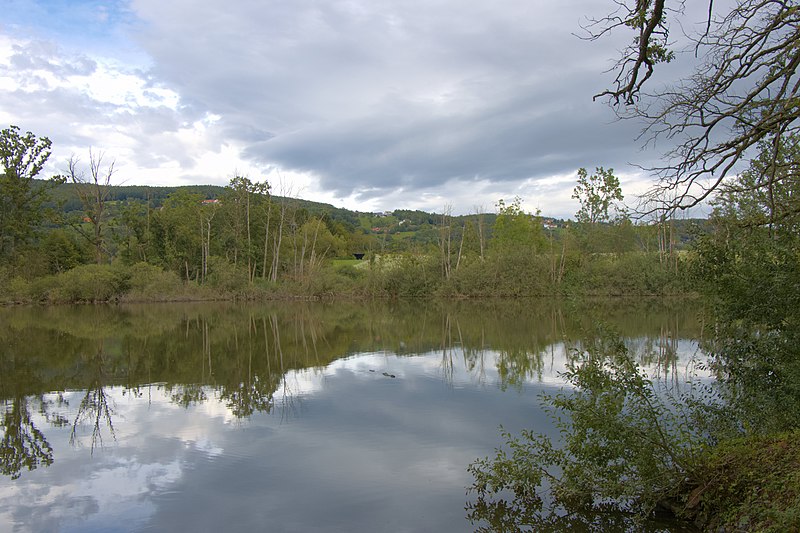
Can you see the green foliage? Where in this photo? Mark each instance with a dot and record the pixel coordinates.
(324, 282)
(598, 195)
(151, 283)
(84, 283)
(625, 274)
(627, 445)
(22, 158)
(90, 283)
(411, 276)
(176, 242)
(226, 277)
(750, 484)
(749, 269)
(766, 194)
(62, 251)
(516, 231)
(753, 283)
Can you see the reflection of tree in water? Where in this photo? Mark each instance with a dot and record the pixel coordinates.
(23, 445)
(49, 410)
(94, 407)
(245, 354)
(513, 516)
(518, 349)
(622, 441)
(522, 349)
(287, 398)
(260, 369)
(186, 395)
(448, 346)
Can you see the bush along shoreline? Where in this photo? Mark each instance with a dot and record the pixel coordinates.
(398, 276)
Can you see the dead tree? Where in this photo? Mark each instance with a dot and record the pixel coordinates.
(93, 192)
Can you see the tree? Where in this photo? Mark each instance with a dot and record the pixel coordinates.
(445, 240)
(597, 194)
(22, 158)
(176, 239)
(61, 251)
(743, 92)
(768, 192)
(242, 197)
(515, 230)
(93, 191)
(134, 235)
(22, 445)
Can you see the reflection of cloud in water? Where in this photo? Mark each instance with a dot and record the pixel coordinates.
(682, 365)
(361, 450)
(114, 484)
(114, 488)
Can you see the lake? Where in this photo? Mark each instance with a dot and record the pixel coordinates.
(346, 416)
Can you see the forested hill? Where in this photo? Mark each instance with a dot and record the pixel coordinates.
(65, 198)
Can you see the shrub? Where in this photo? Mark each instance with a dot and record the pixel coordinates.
(90, 283)
(17, 290)
(412, 276)
(152, 283)
(751, 484)
(226, 277)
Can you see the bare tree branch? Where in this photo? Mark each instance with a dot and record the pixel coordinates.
(745, 90)
(93, 191)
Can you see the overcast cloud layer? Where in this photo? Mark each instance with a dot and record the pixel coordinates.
(366, 104)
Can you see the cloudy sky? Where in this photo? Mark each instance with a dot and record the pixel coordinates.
(365, 104)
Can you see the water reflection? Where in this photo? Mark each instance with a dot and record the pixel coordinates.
(24, 445)
(94, 408)
(157, 386)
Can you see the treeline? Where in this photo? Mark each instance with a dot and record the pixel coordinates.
(161, 343)
(80, 238)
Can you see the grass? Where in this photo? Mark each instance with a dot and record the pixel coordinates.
(339, 264)
(752, 484)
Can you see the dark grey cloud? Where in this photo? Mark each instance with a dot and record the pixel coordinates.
(518, 139)
(377, 99)
(375, 96)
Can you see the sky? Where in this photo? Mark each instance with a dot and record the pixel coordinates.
(370, 105)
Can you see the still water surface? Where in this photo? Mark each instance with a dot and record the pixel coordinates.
(284, 417)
